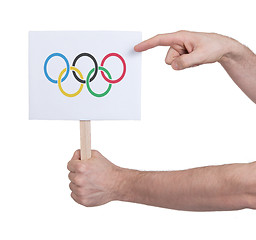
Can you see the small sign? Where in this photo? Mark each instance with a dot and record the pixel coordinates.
(84, 75)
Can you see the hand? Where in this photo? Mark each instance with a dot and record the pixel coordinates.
(93, 182)
(189, 49)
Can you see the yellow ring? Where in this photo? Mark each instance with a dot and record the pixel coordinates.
(59, 82)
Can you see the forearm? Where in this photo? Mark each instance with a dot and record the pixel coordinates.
(226, 187)
(240, 63)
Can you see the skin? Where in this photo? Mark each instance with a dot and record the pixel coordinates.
(212, 188)
(190, 49)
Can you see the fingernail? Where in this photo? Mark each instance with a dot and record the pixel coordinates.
(175, 66)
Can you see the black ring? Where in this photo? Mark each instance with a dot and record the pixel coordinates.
(95, 63)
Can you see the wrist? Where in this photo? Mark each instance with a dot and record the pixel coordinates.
(125, 185)
(234, 51)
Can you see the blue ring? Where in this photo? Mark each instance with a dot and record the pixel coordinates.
(45, 67)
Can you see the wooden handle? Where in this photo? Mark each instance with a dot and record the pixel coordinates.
(85, 139)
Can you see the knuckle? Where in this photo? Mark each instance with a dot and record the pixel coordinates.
(183, 34)
(168, 61)
(80, 168)
(79, 192)
(158, 37)
(68, 165)
(182, 31)
(69, 176)
(78, 180)
(96, 153)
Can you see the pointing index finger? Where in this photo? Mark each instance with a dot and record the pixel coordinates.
(158, 40)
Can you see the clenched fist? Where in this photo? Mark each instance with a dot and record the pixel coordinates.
(93, 182)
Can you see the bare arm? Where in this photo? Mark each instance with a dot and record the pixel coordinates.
(213, 188)
(240, 64)
(189, 49)
(226, 187)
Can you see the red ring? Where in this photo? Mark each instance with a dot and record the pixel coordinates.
(124, 65)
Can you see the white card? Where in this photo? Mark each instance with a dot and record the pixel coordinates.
(63, 83)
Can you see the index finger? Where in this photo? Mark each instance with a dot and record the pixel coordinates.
(166, 39)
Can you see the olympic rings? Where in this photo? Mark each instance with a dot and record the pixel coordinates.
(124, 66)
(89, 88)
(95, 63)
(89, 78)
(45, 67)
(59, 83)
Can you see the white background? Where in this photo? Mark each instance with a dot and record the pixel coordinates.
(191, 118)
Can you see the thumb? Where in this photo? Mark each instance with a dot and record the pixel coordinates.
(77, 155)
(186, 61)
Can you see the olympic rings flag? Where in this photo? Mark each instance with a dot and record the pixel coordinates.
(84, 75)
(80, 79)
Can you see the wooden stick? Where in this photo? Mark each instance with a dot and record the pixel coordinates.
(85, 139)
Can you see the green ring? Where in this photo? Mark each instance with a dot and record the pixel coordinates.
(88, 80)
